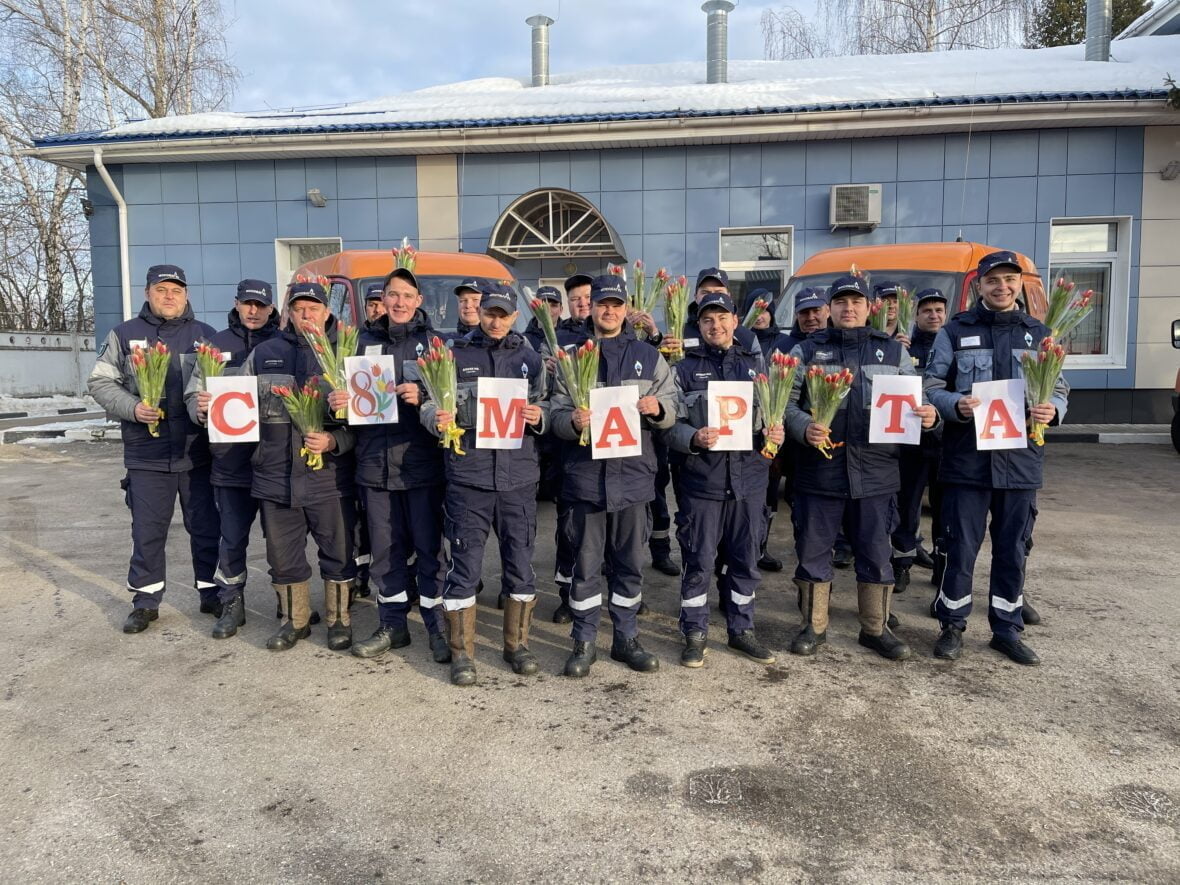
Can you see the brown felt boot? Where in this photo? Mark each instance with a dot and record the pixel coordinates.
(295, 600)
(461, 635)
(873, 604)
(813, 605)
(518, 617)
(336, 595)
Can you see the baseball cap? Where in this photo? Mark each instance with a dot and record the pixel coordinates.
(578, 279)
(165, 273)
(549, 293)
(471, 284)
(931, 295)
(314, 291)
(497, 295)
(715, 299)
(810, 297)
(886, 289)
(374, 292)
(255, 290)
(608, 286)
(712, 273)
(855, 285)
(403, 273)
(997, 259)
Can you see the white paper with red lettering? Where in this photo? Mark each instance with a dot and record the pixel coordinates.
(615, 429)
(233, 411)
(999, 418)
(731, 411)
(371, 384)
(891, 413)
(499, 412)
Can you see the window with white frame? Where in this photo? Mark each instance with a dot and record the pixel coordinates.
(756, 258)
(1095, 254)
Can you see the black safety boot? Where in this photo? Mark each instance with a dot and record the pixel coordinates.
(296, 599)
(842, 556)
(901, 578)
(695, 646)
(581, 659)
(233, 616)
(1030, 614)
(873, 610)
(628, 651)
(440, 650)
(1015, 650)
(383, 639)
(563, 614)
(139, 619)
(950, 644)
(664, 565)
(747, 644)
(923, 558)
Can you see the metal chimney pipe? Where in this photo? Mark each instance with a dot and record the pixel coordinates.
(1098, 16)
(717, 40)
(540, 25)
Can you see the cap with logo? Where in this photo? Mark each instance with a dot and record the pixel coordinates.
(549, 293)
(719, 300)
(930, 295)
(309, 291)
(406, 274)
(255, 290)
(471, 284)
(578, 279)
(848, 285)
(712, 273)
(374, 292)
(886, 289)
(497, 295)
(993, 260)
(810, 297)
(606, 287)
(165, 273)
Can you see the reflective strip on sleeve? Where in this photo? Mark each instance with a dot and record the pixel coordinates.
(581, 605)
(953, 604)
(625, 601)
(695, 601)
(1005, 606)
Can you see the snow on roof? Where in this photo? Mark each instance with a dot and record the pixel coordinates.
(1136, 70)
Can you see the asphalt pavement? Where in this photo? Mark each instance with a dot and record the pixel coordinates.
(169, 756)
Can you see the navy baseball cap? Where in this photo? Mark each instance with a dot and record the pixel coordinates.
(497, 295)
(166, 273)
(810, 297)
(855, 285)
(406, 274)
(886, 289)
(997, 259)
(578, 279)
(715, 299)
(608, 286)
(314, 291)
(374, 292)
(712, 273)
(549, 293)
(931, 295)
(472, 284)
(255, 290)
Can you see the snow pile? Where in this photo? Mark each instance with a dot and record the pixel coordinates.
(46, 405)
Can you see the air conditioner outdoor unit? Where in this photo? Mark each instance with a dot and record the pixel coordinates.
(854, 205)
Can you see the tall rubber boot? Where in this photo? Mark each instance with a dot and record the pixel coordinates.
(461, 635)
(518, 617)
(813, 605)
(873, 605)
(296, 602)
(336, 601)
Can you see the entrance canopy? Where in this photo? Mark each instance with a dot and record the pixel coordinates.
(553, 223)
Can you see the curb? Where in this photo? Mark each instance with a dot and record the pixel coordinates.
(1157, 439)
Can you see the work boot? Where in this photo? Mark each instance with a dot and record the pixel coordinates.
(813, 605)
(518, 617)
(893, 621)
(695, 646)
(766, 562)
(315, 615)
(233, 616)
(296, 600)
(361, 585)
(1030, 614)
(873, 606)
(627, 650)
(950, 644)
(139, 619)
(1015, 650)
(383, 639)
(664, 565)
(563, 614)
(581, 659)
(642, 609)
(842, 556)
(461, 635)
(440, 649)
(339, 621)
(211, 606)
(923, 558)
(745, 642)
(901, 578)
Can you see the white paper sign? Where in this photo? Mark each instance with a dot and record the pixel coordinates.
(233, 411)
(372, 389)
(615, 430)
(999, 418)
(731, 411)
(891, 413)
(499, 412)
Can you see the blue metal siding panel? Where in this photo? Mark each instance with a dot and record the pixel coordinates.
(1019, 237)
(178, 182)
(1050, 197)
(919, 203)
(1128, 150)
(217, 183)
(585, 171)
(255, 179)
(829, 162)
(919, 234)
(219, 223)
(358, 220)
(784, 205)
(104, 267)
(554, 170)
(700, 251)
(1013, 154)
(96, 188)
(356, 178)
(706, 209)
(145, 225)
(141, 183)
(257, 222)
(1090, 151)
(745, 206)
(663, 250)
(663, 212)
(875, 237)
(815, 207)
(324, 222)
(291, 217)
(519, 174)
(784, 164)
(874, 160)
(964, 201)
(1128, 193)
(1012, 200)
(919, 158)
(182, 223)
(290, 180)
(104, 226)
(1052, 152)
(258, 262)
(707, 167)
(1089, 194)
(623, 210)
(187, 257)
(321, 174)
(967, 154)
(664, 169)
(398, 176)
(745, 165)
(622, 170)
(477, 214)
(221, 264)
(397, 218)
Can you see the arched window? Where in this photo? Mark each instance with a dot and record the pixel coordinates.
(553, 223)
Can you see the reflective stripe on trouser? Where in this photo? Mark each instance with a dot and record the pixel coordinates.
(965, 511)
(918, 473)
(818, 520)
(330, 525)
(706, 530)
(469, 516)
(152, 495)
(237, 509)
(403, 524)
(616, 539)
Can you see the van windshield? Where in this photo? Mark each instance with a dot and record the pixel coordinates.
(438, 298)
(913, 280)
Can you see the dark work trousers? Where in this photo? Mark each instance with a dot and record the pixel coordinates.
(361, 547)
(404, 524)
(818, 520)
(563, 566)
(469, 516)
(965, 511)
(237, 509)
(616, 539)
(720, 569)
(330, 525)
(918, 473)
(660, 542)
(151, 495)
(729, 532)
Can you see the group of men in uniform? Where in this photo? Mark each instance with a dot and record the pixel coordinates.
(408, 494)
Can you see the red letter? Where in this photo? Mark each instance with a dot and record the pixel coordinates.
(615, 425)
(998, 417)
(493, 415)
(732, 408)
(217, 413)
(894, 401)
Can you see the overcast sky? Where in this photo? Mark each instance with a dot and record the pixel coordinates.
(302, 53)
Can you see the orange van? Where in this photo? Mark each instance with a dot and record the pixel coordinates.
(946, 266)
(438, 273)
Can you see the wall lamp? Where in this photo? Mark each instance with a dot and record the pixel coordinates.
(317, 199)
(87, 207)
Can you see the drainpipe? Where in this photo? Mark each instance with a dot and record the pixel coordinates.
(1098, 17)
(540, 25)
(717, 40)
(124, 249)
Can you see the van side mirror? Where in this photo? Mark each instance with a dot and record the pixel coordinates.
(1176, 333)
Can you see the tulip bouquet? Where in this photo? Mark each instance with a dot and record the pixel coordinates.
(645, 293)
(405, 256)
(437, 368)
(676, 315)
(756, 310)
(544, 319)
(151, 371)
(1040, 378)
(905, 311)
(879, 315)
(1067, 310)
(306, 407)
(331, 359)
(209, 360)
(773, 391)
(580, 373)
(824, 392)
